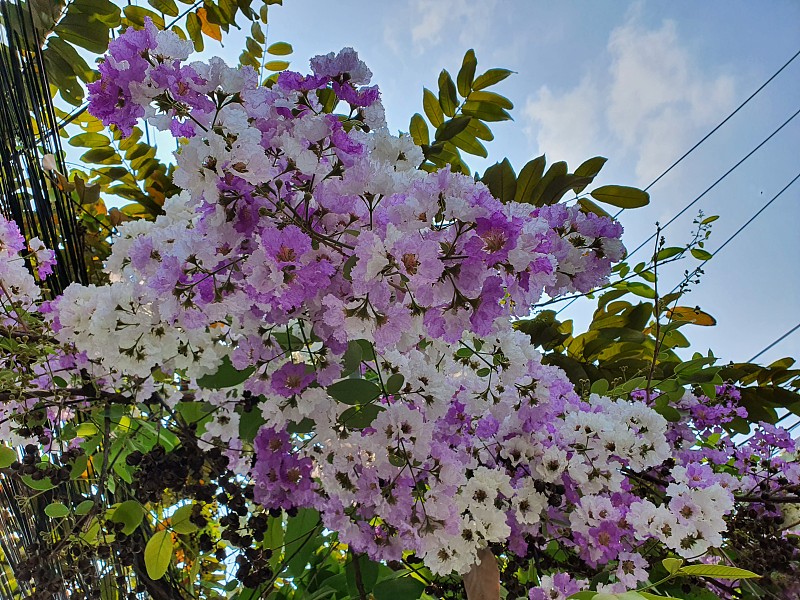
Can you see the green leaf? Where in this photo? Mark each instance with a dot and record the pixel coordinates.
(558, 186)
(56, 510)
(157, 554)
(89, 33)
(226, 376)
(328, 99)
(589, 168)
(90, 140)
(257, 33)
(491, 98)
(351, 358)
(557, 169)
(7, 456)
(354, 391)
(640, 289)
(649, 596)
(528, 179)
(621, 196)
(419, 130)
(480, 130)
(180, 522)
(400, 588)
(368, 570)
(137, 15)
(717, 572)
(105, 155)
(501, 181)
(395, 383)
(710, 219)
(599, 387)
(701, 254)
(104, 11)
(84, 507)
(451, 128)
(280, 49)
(359, 417)
(253, 48)
(588, 206)
(432, 108)
(448, 99)
(300, 531)
(130, 513)
(71, 57)
(249, 425)
(491, 77)
(466, 75)
(587, 595)
(672, 565)
(666, 253)
(86, 429)
(276, 65)
(195, 28)
(168, 7)
(469, 143)
(38, 484)
(485, 111)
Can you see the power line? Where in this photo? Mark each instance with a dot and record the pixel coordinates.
(773, 344)
(693, 148)
(743, 227)
(718, 181)
(697, 199)
(720, 124)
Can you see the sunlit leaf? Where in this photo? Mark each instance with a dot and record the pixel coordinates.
(158, 553)
(432, 109)
(168, 7)
(280, 49)
(701, 254)
(466, 74)
(276, 65)
(448, 99)
(621, 196)
(691, 315)
(419, 130)
(491, 77)
(212, 30)
(718, 572)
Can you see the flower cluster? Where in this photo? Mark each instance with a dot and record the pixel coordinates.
(364, 308)
(19, 291)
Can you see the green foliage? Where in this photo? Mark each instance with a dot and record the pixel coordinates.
(458, 114)
(354, 391)
(225, 376)
(636, 339)
(257, 51)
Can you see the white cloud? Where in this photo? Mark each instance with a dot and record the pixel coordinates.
(652, 103)
(431, 23)
(565, 126)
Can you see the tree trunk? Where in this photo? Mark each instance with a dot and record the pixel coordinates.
(482, 582)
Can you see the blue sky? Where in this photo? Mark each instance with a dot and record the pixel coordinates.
(637, 82)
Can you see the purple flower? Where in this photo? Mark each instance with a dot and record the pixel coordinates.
(291, 379)
(345, 63)
(282, 477)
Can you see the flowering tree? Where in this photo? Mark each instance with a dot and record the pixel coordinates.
(319, 356)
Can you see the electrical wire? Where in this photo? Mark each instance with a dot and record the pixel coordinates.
(697, 199)
(776, 342)
(743, 227)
